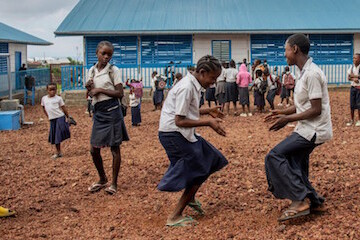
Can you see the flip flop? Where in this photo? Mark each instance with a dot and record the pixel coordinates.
(184, 222)
(4, 212)
(292, 213)
(95, 187)
(110, 190)
(197, 207)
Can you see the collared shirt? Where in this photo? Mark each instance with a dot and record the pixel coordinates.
(133, 100)
(53, 106)
(102, 80)
(312, 84)
(183, 100)
(230, 75)
(221, 77)
(272, 84)
(355, 70)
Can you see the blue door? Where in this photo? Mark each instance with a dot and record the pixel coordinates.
(17, 66)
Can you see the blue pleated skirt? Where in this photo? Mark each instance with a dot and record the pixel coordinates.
(59, 130)
(135, 115)
(191, 163)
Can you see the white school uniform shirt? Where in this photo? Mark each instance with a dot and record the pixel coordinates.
(133, 100)
(53, 106)
(102, 80)
(272, 85)
(230, 75)
(257, 82)
(153, 83)
(183, 100)
(221, 77)
(312, 84)
(283, 79)
(355, 70)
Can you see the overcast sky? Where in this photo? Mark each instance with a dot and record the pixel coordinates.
(41, 18)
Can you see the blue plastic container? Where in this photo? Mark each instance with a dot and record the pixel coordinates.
(10, 120)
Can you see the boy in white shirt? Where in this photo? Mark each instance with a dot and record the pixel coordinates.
(354, 76)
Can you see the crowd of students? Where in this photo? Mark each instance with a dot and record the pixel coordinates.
(192, 158)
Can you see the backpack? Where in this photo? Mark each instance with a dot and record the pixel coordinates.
(160, 83)
(289, 81)
(122, 101)
(278, 84)
(263, 86)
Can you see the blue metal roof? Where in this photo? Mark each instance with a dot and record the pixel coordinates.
(11, 35)
(109, 17)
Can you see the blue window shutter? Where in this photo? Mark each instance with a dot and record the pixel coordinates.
(324, 48)
(125, 50)
(161, 49)
(4, 48)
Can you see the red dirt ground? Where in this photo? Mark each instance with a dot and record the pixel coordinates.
(52, 201)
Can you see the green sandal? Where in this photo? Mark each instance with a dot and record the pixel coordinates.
(184, 222)
(197, 207)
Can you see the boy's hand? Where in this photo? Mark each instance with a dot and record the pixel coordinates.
(215, 125)
(94, 92)
(216, 113)
(89, 85)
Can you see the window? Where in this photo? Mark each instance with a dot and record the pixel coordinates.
(324, 48)
(160, 50)
(221, 49)
(4, 48)
(125, 50)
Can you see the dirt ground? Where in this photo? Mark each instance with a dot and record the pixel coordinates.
(52, 201)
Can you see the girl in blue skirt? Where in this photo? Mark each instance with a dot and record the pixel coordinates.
(54, 108)
(192, 158)
(105, 86)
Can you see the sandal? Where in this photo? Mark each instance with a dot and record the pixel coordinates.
(293, 213)
(4, 212)
(55, 156)
(111, 190)
(184, 222)
(95, 187)
(197, 207)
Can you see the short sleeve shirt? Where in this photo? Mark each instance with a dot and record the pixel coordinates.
(230, 75)
(312, 84)
(53, 106)
(221, 77)
(355, 70)
(103, 80)
(183, 100)
(271, 84)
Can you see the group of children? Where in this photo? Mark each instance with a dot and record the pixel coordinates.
(192, 158)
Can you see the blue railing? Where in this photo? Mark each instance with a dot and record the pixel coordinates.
(74, 77)
(41, 75)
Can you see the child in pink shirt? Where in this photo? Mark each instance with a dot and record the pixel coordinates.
(243, 80)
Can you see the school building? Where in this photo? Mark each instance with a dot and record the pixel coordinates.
(155, 34)
(14, 42)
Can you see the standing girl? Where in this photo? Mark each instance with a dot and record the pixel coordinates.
(231, 91)
(105, 86)
(192, 158)
(54, 108)
(210, 94)
(243, 80)
(287, 164)
(259, 98)
(135, 107)
(220, 87)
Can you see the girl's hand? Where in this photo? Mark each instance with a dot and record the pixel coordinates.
(215, 125)
(216, 113)
(271, 116)
(95, 91)
(281, 121)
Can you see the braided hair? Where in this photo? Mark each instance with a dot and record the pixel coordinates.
(104, 43)
(209, 64)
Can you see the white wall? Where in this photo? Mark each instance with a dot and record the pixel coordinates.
(17, 48)
(357, 43)
(240, 45)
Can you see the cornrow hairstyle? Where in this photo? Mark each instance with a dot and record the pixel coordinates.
(209, 64)
(301, 41)
(357, 54)
(104, 43)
